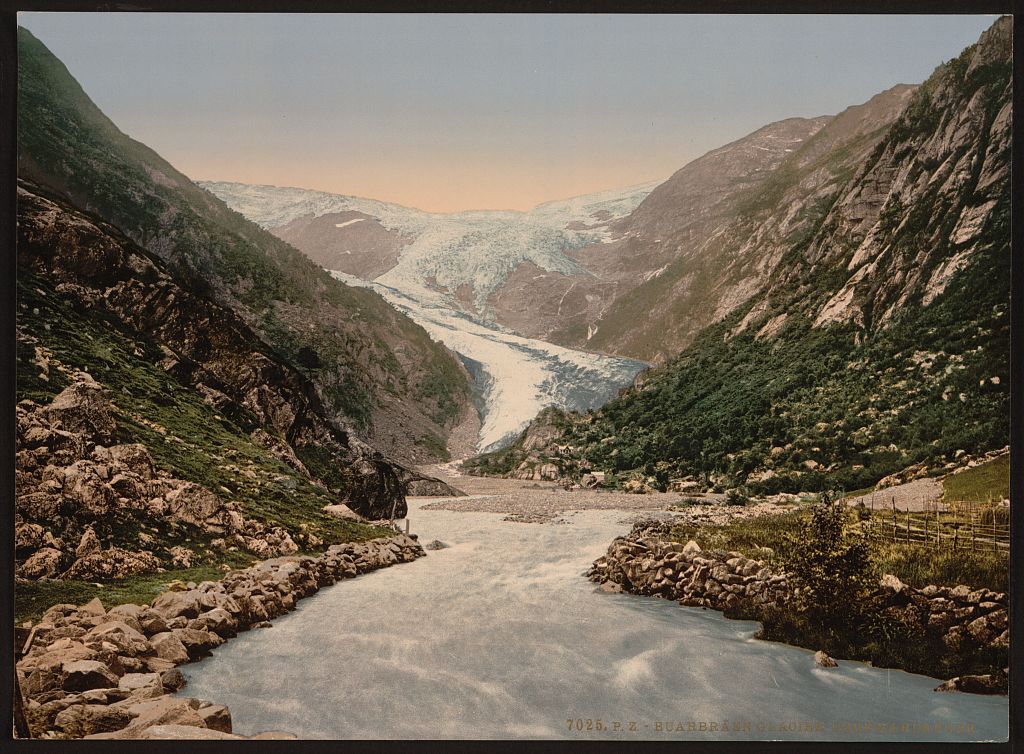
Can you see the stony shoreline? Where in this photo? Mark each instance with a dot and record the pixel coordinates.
(98, 674)
(648, 562)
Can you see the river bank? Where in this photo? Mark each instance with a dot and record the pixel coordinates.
(960, 627)
(93, 673)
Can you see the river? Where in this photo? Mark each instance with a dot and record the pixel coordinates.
(500, 636)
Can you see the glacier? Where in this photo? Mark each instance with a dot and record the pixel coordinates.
(517, 376)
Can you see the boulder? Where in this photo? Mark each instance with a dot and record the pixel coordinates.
(127, 640)
(81, 720)
(82, 675)
(82, 407)
(197, 642)
(172, 680)
(822, 660)
(136, 682)
(166, 710)
(115, 563)
(88, 544)
(888, 581)
(44, 563)
(690, 549)
(435, 545)
(216, 717)
(169, 647)
(187, 604)
(342, 511)
(192, 503)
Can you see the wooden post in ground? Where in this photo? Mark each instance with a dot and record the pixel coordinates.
(894, 524)
(23, 645)
(407, 527)
(927, 541)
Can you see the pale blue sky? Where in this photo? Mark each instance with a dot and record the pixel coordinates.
(476, 111)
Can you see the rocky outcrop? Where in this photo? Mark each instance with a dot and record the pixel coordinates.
(69, 484)
(107, 674)
(959, 619)
(206, 346)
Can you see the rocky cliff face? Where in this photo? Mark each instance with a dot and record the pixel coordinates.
(204, 345)
(374, 369)
(854, 305)
(710, 237)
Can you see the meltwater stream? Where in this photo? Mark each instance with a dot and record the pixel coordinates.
(500, 636)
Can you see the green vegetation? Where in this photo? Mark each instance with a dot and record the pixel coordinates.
(349, 341)
(830, 563)
(773, 539)
(816, 542)
(548, 423)
(184, 435)
(854, 406)
(985, 482)
(914, 376)
(33, 598)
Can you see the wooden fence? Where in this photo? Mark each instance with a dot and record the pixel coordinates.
(968, 526)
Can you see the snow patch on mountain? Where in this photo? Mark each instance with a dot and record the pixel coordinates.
(518, 376)
(446, 251)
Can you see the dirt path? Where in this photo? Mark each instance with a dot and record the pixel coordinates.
(919, 495)
(541, 502)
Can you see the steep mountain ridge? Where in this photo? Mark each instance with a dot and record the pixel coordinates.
(375, 369)
(875, 338)
(720, 225)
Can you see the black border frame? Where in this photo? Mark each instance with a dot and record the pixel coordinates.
(8, 167)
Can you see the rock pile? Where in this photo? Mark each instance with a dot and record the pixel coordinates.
(647, 562)
(94, 673)
(959, 619)
(71, 477)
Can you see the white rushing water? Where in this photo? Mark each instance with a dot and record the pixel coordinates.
(500, 636)
(517, 376)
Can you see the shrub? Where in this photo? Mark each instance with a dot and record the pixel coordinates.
(737, 496)
(830, 564)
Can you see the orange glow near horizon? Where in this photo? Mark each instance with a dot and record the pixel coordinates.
(467, 185)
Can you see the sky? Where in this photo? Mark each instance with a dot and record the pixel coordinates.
(474, 111)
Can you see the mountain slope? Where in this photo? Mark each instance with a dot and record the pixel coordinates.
(711, 235)
(442, 269)
(877, 340)
(459, 258)
(375, 369)
(154, 429)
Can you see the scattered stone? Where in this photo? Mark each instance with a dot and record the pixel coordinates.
(435, 545)
(822, 660)
(216, 717)
(172, 680)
